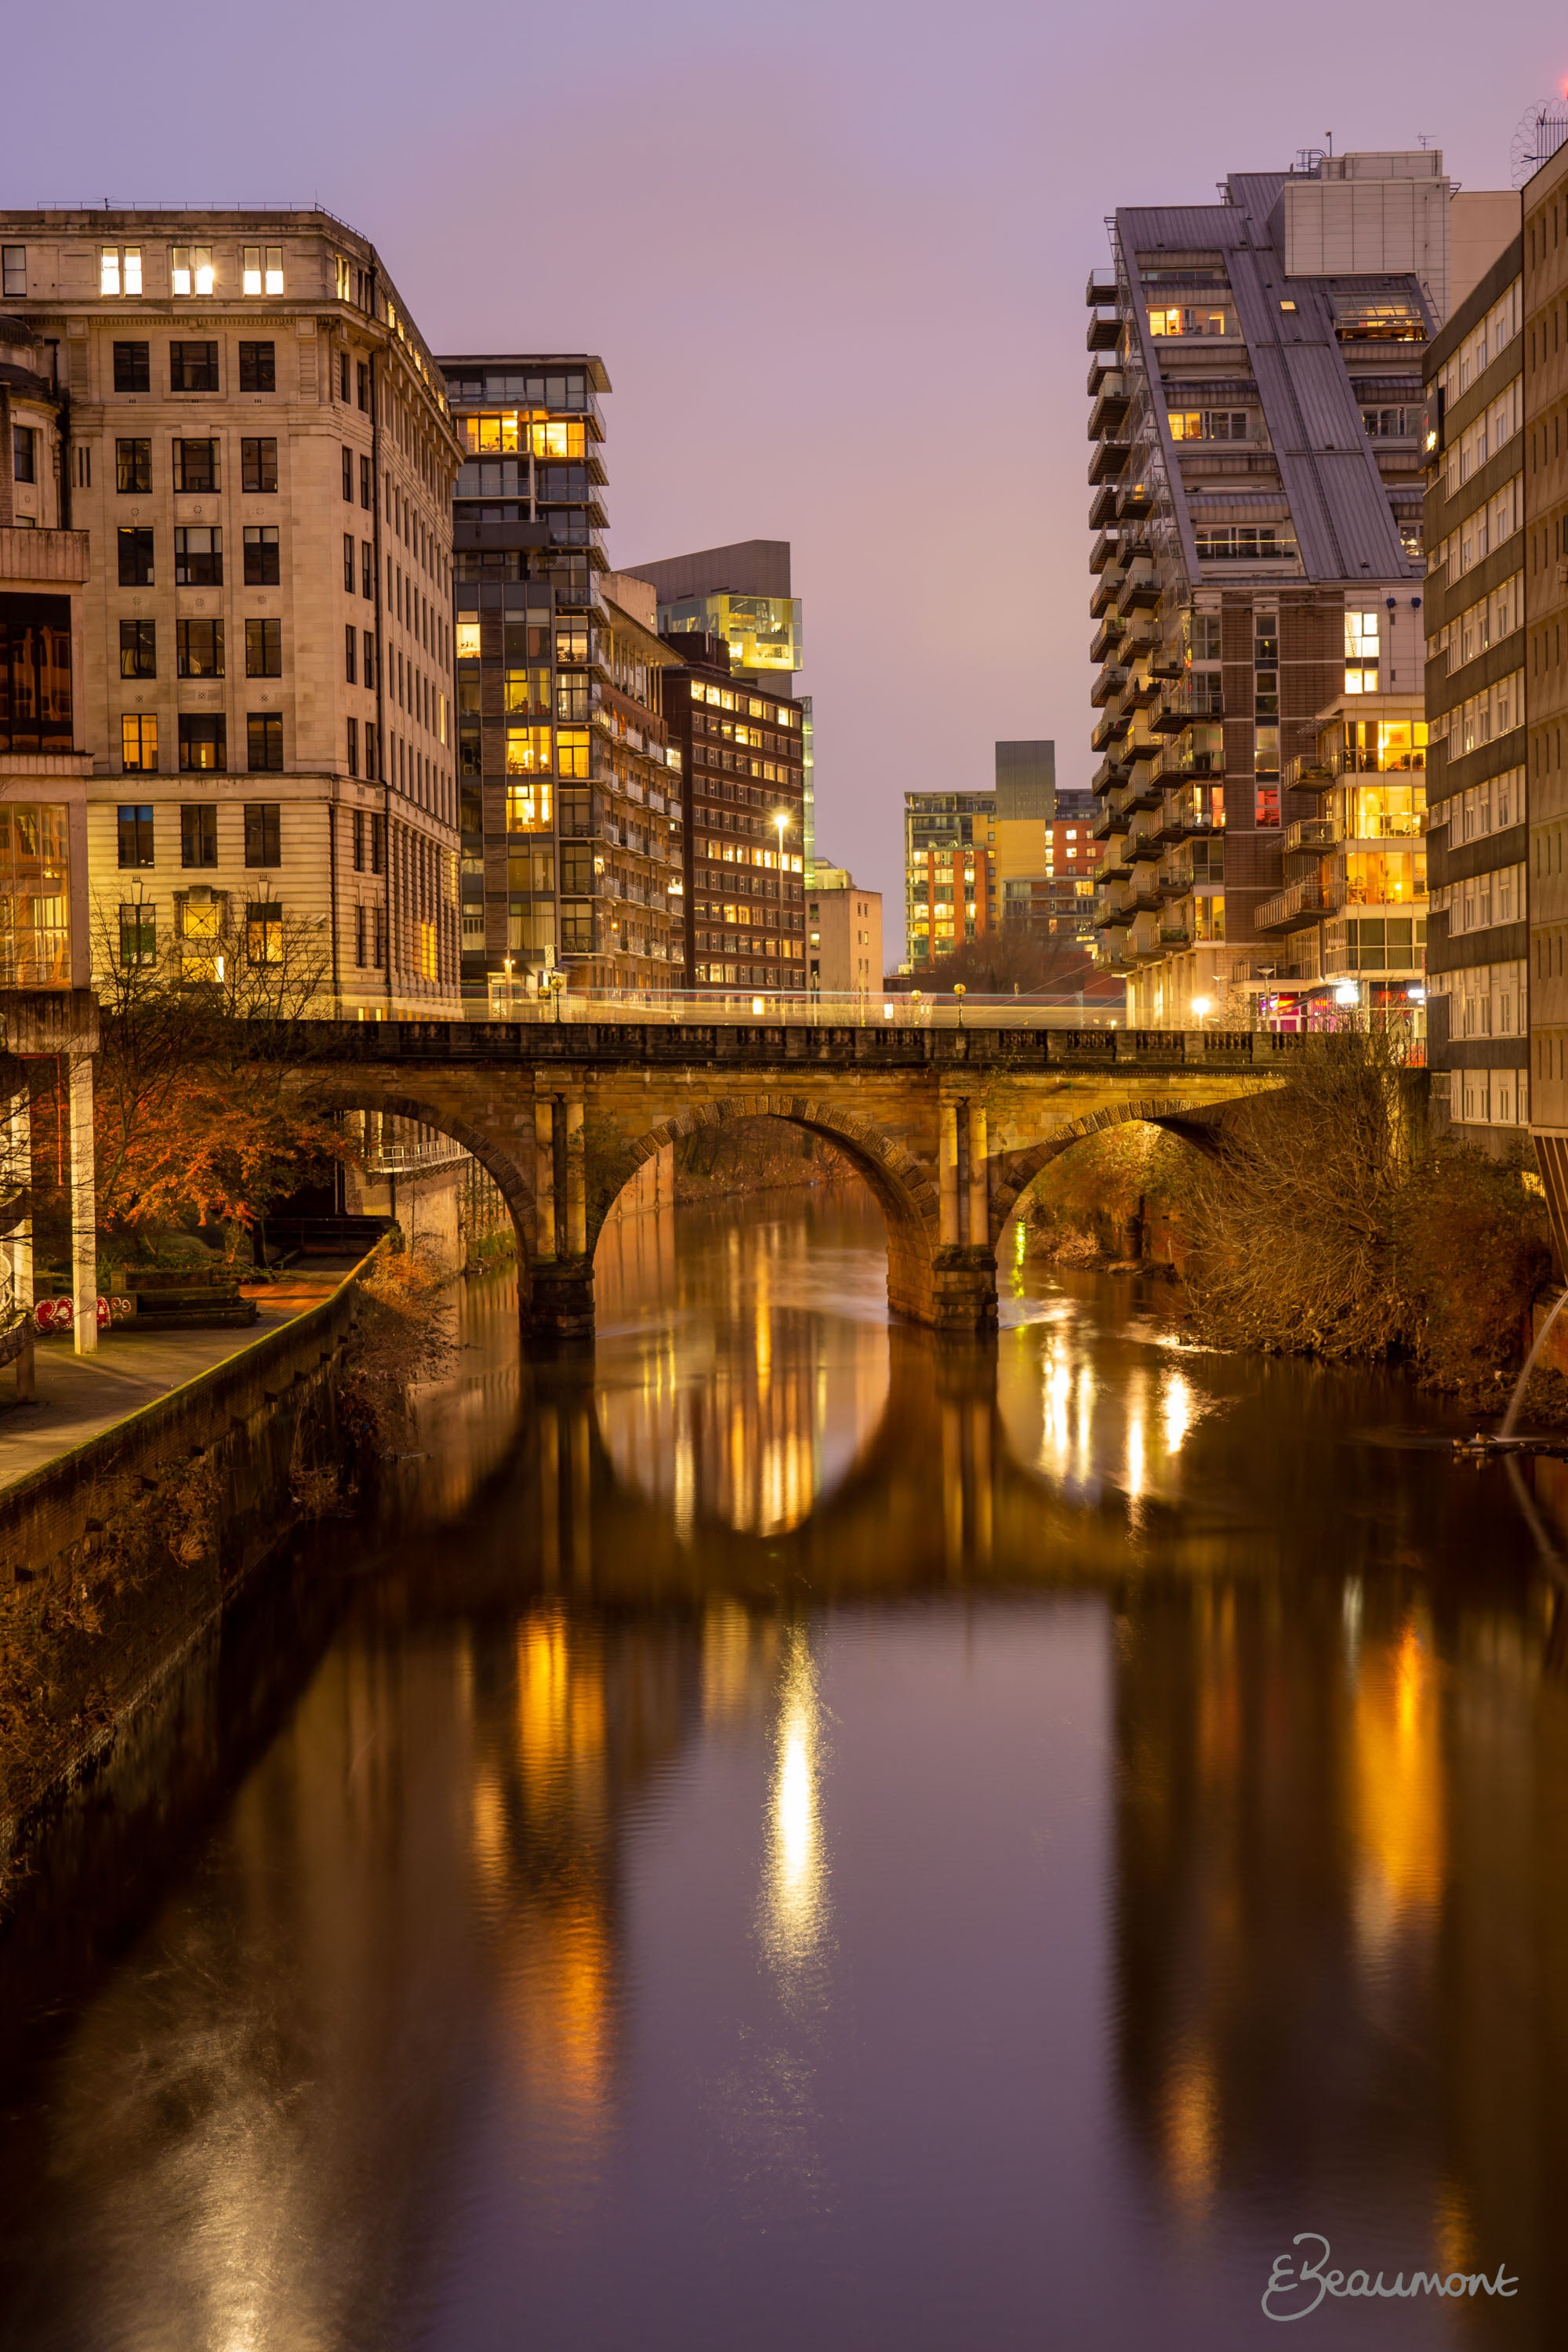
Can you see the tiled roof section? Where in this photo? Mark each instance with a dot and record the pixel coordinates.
(1328, 466)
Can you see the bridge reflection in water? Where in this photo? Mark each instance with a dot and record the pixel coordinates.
(847, 1839)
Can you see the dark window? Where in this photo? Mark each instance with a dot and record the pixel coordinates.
(198, 648)
(136, 557)
(133, 466)
(139, 744)
(259, 465)
(35, 674)
(258, 368)
(348, 562)
(364, 386)
(359, 935)
(196, 466)
(133, 367)
(371, 766)
(261, 555)
(24, 453)
(365, 481)
(366, 570)
(353, 751)
(261, 833)
(138, 931)
(13, 275)
(264, 743)
(359, 840)
(343, 376)
(264, 933)
(263, 649)
(192, 367)
(349, 475)
(351, 653)
(204, 743)
(378, 844)
(138, 649)
(369, 661)
(135, 833)
(577, 866)
(199, 556)
(198, 832)
(378, 936)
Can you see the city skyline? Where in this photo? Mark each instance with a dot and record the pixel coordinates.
(944, 203)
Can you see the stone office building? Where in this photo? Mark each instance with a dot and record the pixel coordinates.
(1477, 842)
(259, 448)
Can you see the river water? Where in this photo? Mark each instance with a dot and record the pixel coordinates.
(798, 1836)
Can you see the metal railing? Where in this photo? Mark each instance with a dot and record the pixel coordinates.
(800, 1009)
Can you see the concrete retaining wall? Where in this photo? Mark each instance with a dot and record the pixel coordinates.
(113, 1557)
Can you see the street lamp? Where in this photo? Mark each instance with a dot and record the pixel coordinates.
(557, 983)
(960, 992)
(1203, 1006)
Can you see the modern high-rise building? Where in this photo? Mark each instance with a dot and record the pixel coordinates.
(1256, 387)
(739, 743)
(742, 594)
(258, 445)
(949, 872)
(1476, 837)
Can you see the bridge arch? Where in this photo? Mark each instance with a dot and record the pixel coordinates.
(1197, 1123)
(428, 1110)
(901, 1188)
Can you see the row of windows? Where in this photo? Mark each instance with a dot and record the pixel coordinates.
(136, 839)
(198, 555)
(192, 270)
(199, 931)
(199, 648)
(197, 464)
(203, 742)
(194, 367)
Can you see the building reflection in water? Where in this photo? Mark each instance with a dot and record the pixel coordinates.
(726, 1416)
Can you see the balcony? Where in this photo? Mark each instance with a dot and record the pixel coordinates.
(1099, 288)
(1175, 935)
(1187, 701)
(1104, 331)
(1106, 592)
(1309, 773)
(1105, 637)
(1111, 729)
(1143, 849)
(1109, 682)
(1312, 835)
(1102, 508)
(1098, 369)
(1107, 549)
(1141, 589)
(1300, 902)
(1108, 463)
(1139, 646)
(1175, 881)
(1110, 406)
(1113, 916)
(1133, 501)
(1146, 789)
(1111, 772)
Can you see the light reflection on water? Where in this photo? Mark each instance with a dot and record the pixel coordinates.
(845, 1840)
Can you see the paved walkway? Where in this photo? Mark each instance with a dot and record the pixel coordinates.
(80, 1395)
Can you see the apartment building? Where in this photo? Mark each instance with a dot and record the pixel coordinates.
(742, 595)
(1478, 948)
(1543, 256)
(258, 449)
(570, 808)
(740, 745)
(949, 872)
(1256, 396)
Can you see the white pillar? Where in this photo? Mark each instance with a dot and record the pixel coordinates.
(979, 1204)
(84, 1208)
(19, 1171)
(947, 1175)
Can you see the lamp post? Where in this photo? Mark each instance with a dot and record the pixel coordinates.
(960, 992)
(1203, 1006)
(557, 983)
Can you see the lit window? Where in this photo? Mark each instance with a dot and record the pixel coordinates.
(1286, 306)
(133, 269)
(108, 270)
(191, 269)
(467, 641)
(528, 806)
(261, 268)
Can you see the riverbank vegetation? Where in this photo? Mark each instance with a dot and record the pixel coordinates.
(1328, 1223)
(755, 1155)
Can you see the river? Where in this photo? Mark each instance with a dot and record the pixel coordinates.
(794, 1835)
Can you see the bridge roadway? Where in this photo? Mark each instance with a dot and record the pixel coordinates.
(950, 1127)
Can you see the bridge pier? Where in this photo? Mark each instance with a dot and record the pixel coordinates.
(558, 1303)
(963, 1288)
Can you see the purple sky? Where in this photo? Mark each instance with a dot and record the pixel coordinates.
(832, 256)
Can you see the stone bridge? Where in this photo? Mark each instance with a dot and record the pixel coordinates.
(949, 1126)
